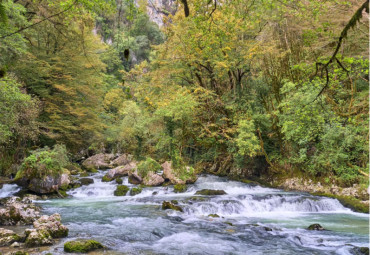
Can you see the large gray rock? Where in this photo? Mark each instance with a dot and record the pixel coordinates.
(7, 237)
(35, 237)
(18, 212)
(51, 224)
(98, 161)
(134, 178)
(169, 174)
(153, 179)
(49, 184)
(122, 170)
(122, 160)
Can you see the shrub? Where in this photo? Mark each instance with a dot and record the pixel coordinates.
(44, 162)
(149, 164)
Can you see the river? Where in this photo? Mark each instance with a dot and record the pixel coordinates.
(253, 220)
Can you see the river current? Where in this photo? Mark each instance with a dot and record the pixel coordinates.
(252, 220)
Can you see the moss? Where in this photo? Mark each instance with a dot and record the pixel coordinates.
(350, 202)
(119, 181)
(361, 251)
(106, 178)
(20, 253)
(82, 246)
(210, 192)
(63, 193)
(180, 188)
(121, 190)
(168, 205)
(135, 191)
(213, 215)
(146, 166)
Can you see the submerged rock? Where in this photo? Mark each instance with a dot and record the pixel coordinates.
(168, 205)
(134, 178)
(86, 181)
(98, 161)
(213, 215)
(121, 190)
(153, 179)
(315, 227)
(360, 251)
(210, 192)
(82, 246)
(19, 212)
(179, 188)
(8, 237)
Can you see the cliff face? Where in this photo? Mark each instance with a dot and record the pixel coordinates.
(157, 9)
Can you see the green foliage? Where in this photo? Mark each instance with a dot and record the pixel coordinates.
(44, 162)
(247, 141)
(148, 165)
(82, 246)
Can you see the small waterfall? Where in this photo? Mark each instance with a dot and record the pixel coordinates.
(98, 189)
(8, 190)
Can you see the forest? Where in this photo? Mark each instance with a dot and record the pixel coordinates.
(270, 93)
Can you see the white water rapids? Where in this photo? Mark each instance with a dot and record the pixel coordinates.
(253, 220)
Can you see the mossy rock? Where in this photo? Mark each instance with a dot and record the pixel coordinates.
(82, 246)
(86, 181)
(168, 205)
(175, 202)
(20, 253)
(84, 174)
(179, 188)
(315, 227)
(121, 190)
(210, 192)
(213, 215)
(135, 191)
(119, 181)
(106, 178)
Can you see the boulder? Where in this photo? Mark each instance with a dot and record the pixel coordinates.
(51, 224)
(169, 174)
(134, 178)
(7, 237)
(82, 246)
(122, 170)
(213, 215)
(153, 179)
(168, 205)
(210, 192)
(86, 181)
(121, 190)
(46, 185)
(119, 181)
(98, 161)
(18, 212)
(122, 160)
(38, 237)
(315, 227)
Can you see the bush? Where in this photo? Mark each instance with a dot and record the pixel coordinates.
(44, 162)
(148, 165)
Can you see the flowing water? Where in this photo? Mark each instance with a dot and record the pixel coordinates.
(253, 220)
